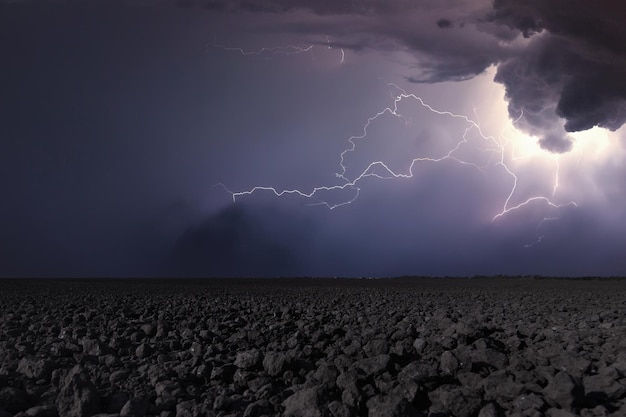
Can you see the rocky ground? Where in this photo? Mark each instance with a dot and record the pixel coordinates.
(421, 347)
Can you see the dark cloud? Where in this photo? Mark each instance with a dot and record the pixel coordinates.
(241, 241)
(570, 76)
(566, 76)
(593, 100)
(451, 69)
(556, 142)
(462, 51)
(600, 23)
(444, 23)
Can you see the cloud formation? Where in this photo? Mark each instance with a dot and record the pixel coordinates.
(570, 76)
(239, 241)
(561, 61)
(109, 125)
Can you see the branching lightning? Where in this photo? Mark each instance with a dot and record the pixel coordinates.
(499, 147)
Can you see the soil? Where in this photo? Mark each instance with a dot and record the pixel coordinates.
(306, 347)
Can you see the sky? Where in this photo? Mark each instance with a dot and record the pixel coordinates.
(263, 138)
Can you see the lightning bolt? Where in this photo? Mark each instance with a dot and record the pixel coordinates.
(507, 207)
(497, 147)
(271, 51)
(343, 53)
(556, 176)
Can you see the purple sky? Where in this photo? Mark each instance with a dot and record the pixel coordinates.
(413, 138)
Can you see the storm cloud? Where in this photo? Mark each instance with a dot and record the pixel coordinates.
(116, 110)
(562, 62)
(241, 241)
(570, 76)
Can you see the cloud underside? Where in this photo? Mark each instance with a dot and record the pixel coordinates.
(570, 76)
(562, 62)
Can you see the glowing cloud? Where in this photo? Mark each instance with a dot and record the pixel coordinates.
(495, 150)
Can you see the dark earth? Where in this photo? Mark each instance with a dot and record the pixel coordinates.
(433, 347)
